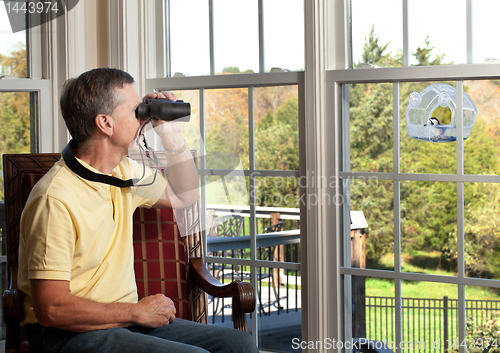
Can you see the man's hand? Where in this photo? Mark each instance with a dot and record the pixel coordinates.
(155, 311)
(170, 132)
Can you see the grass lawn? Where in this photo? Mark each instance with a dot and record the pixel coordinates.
(412, 289)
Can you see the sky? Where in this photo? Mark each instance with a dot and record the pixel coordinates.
(236, 31)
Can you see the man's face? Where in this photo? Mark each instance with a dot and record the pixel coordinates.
(126, 125)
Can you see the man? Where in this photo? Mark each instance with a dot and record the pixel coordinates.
(75, 251)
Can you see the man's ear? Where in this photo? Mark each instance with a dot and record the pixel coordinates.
(104, 123)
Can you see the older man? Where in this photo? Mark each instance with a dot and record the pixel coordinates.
(76, 256)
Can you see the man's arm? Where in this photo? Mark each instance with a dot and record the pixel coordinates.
(55, 307)
(182, 175)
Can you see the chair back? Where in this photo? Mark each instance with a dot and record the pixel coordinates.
(227, 226)
(161, 253)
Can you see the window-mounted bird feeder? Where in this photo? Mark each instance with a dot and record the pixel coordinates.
(421, 123)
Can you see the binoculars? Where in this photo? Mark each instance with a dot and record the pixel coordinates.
(164, 109)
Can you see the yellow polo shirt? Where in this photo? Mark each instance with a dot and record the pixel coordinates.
(80, 231)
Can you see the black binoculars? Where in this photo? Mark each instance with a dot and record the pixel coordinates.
(164, 109)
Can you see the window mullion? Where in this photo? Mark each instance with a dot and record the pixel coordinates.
(262, 67)
(211, 35)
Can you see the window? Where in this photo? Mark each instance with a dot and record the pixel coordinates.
(453, 31)
(245, 131)
(26, 124)
(428, 276)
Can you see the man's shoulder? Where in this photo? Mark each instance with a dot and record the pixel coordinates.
(58, 181)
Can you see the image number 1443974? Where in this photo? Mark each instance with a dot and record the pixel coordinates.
(24, 14)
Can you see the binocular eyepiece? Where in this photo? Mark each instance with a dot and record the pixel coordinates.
(164, 109)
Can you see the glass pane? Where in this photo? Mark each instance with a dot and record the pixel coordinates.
(432, 41)
(374, 198)
(12, 48)
(283, 34)
(482, 312)
(429, 315)
(483, 16)
(373, 314)
(420, 155)
(385, 28)
(15, 125)
(189, 37)
(226, 121)
(236, 36)
(276, 128)
(482, 230)
(428, 226)
(371, 131)
(278, 219)
(279, 309)
(484, 141)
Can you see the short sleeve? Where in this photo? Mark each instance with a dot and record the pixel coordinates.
(49, 238)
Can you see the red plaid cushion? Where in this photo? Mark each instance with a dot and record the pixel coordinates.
(160, 257)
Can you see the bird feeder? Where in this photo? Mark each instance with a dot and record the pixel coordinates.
(420, 111)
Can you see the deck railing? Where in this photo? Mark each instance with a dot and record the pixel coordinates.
(278, 290)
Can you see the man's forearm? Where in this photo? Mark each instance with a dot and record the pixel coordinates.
(182, 177)
(55, 307)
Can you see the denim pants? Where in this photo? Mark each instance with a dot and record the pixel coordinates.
(179, 336)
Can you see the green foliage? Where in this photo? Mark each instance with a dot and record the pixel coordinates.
(422, 55)
(428, 209)
(15, 108)
(482, 337)
(372, 50)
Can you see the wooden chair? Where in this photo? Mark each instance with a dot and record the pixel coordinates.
(164, 261)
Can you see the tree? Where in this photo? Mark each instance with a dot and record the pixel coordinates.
(15, 107)
(422, 55)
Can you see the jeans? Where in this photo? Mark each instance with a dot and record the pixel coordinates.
(179, 336)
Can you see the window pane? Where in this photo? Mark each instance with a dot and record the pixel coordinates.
(284, 34)
(428, 226)
(371, 131)
(482, 231)
(373, 314)
(387, 26)
(482, 311)
(12, 48)
(276, 128)
(427, 30)
(424, 155)
(429, 315)
(236, 36)
(375, 199)
(279, 309)
(481, 148)
(226, 121)
(189, 37)
(484, 15)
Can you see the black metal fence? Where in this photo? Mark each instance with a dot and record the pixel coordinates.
(428, 321)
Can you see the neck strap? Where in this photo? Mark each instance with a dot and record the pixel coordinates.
(85, 173)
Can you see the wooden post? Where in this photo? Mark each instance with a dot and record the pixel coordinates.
(279, 255)
(358, 260)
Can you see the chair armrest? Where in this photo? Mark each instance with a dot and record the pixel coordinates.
(12, 313)
(243, 293)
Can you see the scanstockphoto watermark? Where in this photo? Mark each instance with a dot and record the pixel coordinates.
(363, 343)
(25, 14)
(284, 191)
